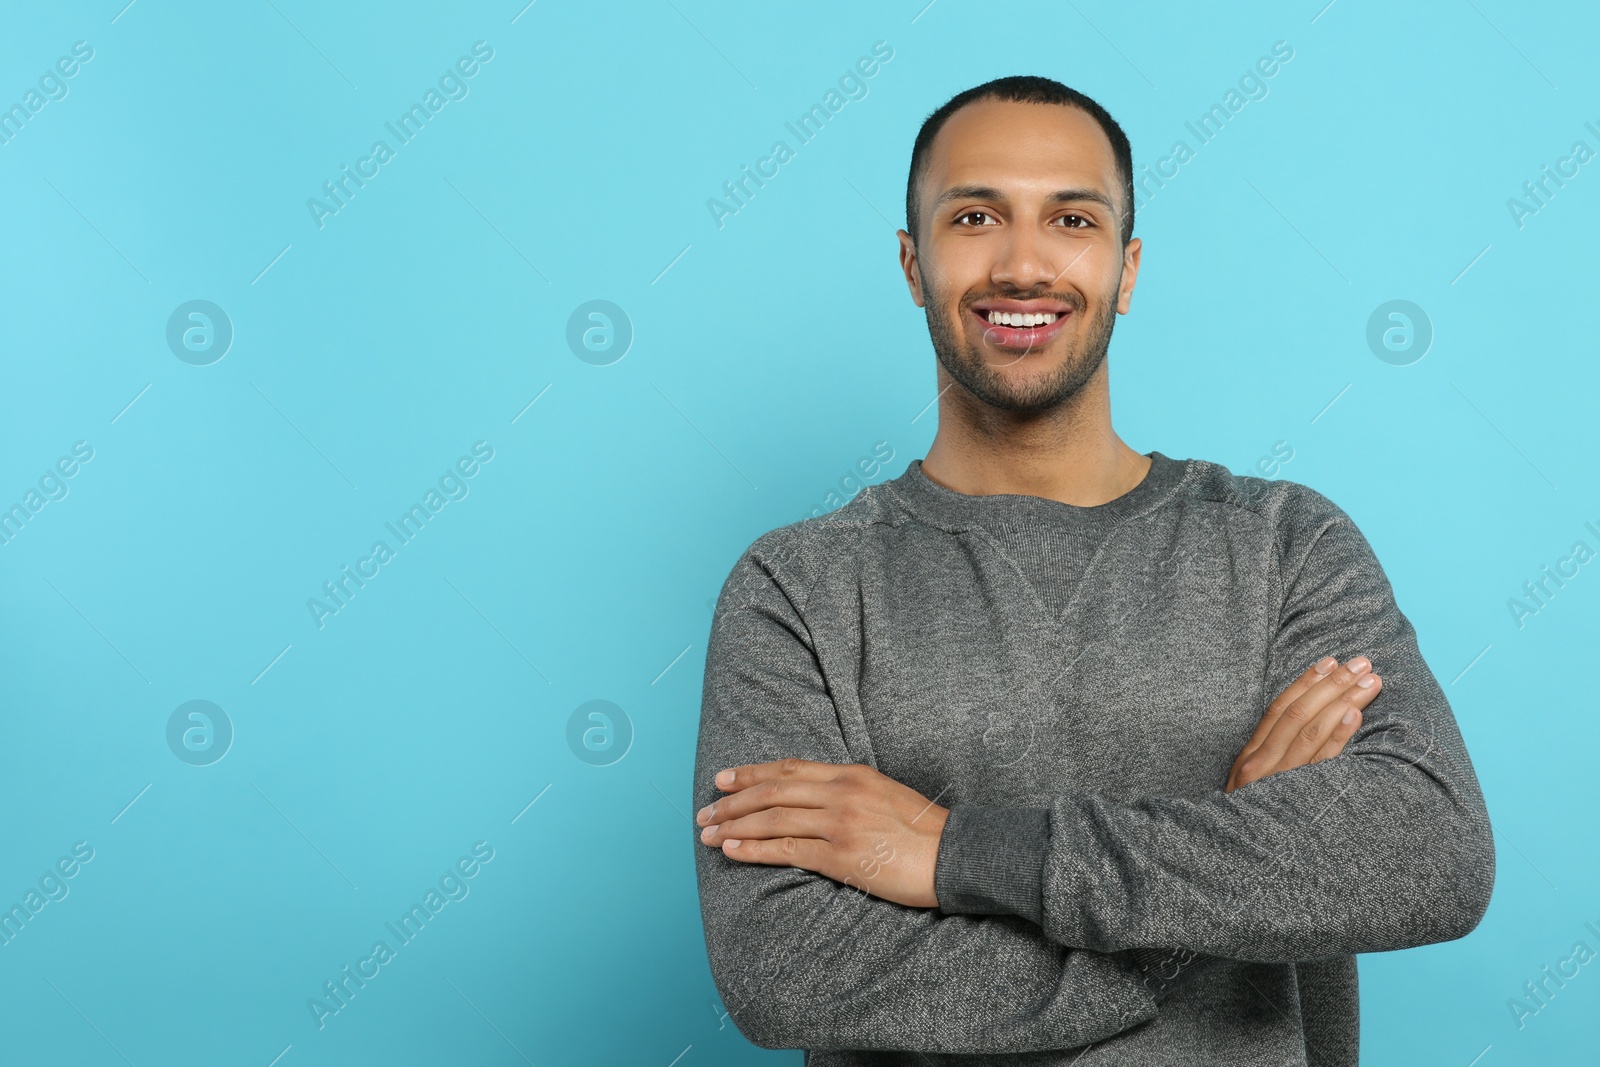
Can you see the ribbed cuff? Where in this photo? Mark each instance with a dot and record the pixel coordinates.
(991, 861)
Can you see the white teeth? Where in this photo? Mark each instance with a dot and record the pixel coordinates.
(1012, 318)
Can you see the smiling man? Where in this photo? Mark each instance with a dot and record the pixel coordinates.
(1049, 747)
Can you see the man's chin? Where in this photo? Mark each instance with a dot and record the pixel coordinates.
(1019, 395)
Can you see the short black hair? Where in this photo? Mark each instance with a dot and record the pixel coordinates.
(1022, 89)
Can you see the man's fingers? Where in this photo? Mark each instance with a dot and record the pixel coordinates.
(1308, 678)
(1343, 731)
(1311, 676)
(1321, 737)
(1335, 743)
(771, 823)
(1302, 711)
(794, 793)
(736, 778)
(1309, 739)
(1294, 714)
(801, 852)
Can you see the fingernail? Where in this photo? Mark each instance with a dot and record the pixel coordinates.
(1349, 717)
(733, 842)
(724, 777)
(708, 831)
(1364, 682)
(1359, 664)
(703, 813)
(1326, 664)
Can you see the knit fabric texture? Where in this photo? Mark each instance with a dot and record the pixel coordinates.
(1074, 685)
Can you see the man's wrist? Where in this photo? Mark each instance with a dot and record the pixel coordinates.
(991, 861)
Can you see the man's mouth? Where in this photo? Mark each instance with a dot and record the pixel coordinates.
(1021, 324)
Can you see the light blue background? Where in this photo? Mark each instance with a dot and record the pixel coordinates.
(769, 356)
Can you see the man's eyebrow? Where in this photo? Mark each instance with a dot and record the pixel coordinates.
(1060, 196)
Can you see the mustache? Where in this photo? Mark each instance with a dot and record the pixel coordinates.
(1072, 300)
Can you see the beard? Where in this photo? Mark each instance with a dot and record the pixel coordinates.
(984, 379)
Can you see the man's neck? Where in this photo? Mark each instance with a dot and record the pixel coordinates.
(1073, 456)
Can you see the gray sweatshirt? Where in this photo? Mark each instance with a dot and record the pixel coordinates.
(1074, 684)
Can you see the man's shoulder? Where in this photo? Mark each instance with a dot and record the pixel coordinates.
(871, 512)
(797, 553)
(1282, 503)
(1299, 519)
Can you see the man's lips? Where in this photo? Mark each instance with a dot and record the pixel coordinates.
(1021, 336)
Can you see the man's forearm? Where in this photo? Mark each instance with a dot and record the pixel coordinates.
(993, 863)
(808, 963)
(1348, 855)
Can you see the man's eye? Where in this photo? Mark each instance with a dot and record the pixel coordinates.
(972, 215)
(1079, 218)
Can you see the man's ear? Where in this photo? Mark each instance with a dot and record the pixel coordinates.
(912, 269)
(1130, 274)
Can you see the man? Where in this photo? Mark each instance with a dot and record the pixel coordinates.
(987, 765)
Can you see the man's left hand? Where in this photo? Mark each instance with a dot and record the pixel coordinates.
(848, 822)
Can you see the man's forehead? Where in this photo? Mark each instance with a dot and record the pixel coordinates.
(1022, 148)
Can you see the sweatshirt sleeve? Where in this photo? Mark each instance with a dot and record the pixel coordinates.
(1385, 846)
(802, 961)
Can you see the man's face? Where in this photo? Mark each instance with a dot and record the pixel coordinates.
(1020, 215)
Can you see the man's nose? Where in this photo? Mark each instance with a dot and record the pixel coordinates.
(1025, 261)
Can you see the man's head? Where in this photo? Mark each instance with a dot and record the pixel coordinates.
(1022, 89)
(1020, 201)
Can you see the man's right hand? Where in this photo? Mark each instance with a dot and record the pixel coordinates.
(1305, 724)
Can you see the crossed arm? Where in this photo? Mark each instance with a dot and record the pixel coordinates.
(863, 828)
(1385, 847)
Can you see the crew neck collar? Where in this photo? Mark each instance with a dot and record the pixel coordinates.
(958, 509)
